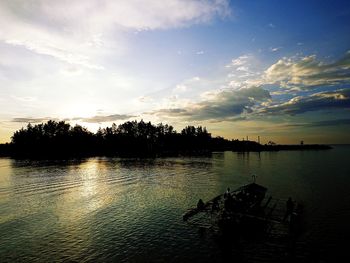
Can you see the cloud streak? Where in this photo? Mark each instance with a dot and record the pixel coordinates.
(32, 120)
(317, 124)
(338, 122)
(107, 118)
(93, 119)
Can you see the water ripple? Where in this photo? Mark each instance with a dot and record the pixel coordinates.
(129, 210)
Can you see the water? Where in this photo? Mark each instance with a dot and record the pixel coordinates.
(130, 210)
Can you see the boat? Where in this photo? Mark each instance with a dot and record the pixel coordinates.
(248, 209)
(250, 217)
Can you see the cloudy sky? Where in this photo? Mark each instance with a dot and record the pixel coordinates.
(278, 69)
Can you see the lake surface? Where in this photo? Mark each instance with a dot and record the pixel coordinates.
(130, 210)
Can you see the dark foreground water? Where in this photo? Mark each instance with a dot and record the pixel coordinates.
(111, 209)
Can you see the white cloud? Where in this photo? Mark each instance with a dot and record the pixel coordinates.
(241, 60)
(145, 99)
(242, 68)
(187, 85)
(274, 49)
(24, 99)
(74, 31)
(290, 73)
(58, 53)
(180, 88)
(308, 72)
(245, 71)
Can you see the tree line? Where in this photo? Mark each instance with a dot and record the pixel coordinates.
(132, 138)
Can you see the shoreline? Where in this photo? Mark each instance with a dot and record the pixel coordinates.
(7, 150)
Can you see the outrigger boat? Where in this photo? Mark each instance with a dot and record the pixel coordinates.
(254, 221)
(248, 208)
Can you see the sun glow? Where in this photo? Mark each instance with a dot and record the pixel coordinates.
(78, 110)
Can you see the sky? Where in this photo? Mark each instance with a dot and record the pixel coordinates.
(275, 69)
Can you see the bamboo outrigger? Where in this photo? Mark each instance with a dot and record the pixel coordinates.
(250, 212)
(246, 208)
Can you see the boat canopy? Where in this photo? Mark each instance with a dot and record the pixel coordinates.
(253, 188)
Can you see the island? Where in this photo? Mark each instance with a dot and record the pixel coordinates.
(59, 139)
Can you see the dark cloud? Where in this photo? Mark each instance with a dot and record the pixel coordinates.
(107, 118)
(339, 99)
(338, 122)
(325, 123)
(32, 120)
(94, 119)
(224, 105)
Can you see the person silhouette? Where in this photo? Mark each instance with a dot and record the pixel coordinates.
(289, 208)
(227, 193)
(200, 204)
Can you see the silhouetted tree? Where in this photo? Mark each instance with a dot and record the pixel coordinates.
(60, 139)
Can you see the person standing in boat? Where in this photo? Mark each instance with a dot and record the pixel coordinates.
(200, 204)
(227, 193)
(289, 208)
